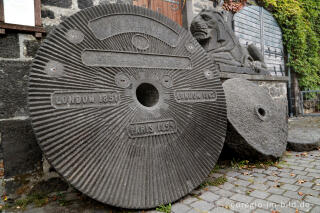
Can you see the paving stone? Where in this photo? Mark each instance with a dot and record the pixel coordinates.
(180, 208)
(261, 211)
(227, 186)
(309, 191)
(271, 183)
(260, 175)
(298, 172)
(220, 210)
(313, 170)
(216, 175)
(209, 196)
(300, 205)
(213, 188)
(245, 177)
(313, 200)
(293, 195)
(290, 187)
(202, 205)
(315, 209)
(263, 204)
(190, 200)
(241, 198)
(240, 189)
(242, 183)
(285, 175)
(241, 207)
(278, 199)
(311, 174)
(258, 186)
(316, 188)
(258, 170)
(224, 202)
(259, 194)
(232, 174)
(305, 184)
(306, 177)
(224, 193)
(273, 178)
(287, 180)
(284, 209)
(297, 168)
(275, 190)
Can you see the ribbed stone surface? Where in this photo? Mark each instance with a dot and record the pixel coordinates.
(127, 106)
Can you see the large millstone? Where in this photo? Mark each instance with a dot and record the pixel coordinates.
(257, 127)
(127, 106)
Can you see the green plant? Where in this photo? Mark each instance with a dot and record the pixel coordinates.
(300, 24)
(164, 208)
(214, 182)
(37, 199)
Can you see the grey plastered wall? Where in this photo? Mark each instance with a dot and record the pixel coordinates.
(18, 146)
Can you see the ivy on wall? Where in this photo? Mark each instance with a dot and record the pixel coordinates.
(300, 23)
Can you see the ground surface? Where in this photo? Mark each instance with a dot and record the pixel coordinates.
(290, 185)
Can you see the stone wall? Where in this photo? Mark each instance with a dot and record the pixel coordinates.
(19, 151)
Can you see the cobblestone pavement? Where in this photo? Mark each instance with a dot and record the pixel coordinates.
(293, 186)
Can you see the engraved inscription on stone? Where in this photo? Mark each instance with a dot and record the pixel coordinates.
(126, 23)
(152, 128)
(195, 96)
(84, 99)
(75, 36)
(140, 42)
(108, 58)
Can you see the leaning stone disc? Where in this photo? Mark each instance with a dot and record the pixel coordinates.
(258, 127)
(127, 106)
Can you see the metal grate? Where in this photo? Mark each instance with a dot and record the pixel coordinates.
(310, 103)
(256, 25)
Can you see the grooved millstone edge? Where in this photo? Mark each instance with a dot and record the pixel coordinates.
(127, 106)
(257, 127)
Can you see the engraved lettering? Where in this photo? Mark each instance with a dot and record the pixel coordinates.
(126, 23)
(152, 128)
(84, 99)
(108, 58)
(195, 96)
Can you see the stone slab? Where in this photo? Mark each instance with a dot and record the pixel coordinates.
(13, 88)
(303, 139)
(20, 150)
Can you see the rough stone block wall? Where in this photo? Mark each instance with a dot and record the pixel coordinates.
(19, 152)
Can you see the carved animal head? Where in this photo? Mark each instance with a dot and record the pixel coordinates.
(208, 23)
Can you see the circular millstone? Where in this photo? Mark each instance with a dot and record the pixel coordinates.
(123, 108)
(303, 139)
(257, 128)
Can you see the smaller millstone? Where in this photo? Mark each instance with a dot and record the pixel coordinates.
(257, 126)
(302, 139)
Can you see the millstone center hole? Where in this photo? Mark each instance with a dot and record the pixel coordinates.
(262, 112)
(147, 94)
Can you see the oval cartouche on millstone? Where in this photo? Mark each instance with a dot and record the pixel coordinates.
(257, 127)
(131, 117)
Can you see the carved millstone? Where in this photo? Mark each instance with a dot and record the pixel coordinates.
(127, 106)
(257, 127)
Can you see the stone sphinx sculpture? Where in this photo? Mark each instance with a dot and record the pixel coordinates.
(217, 38)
